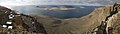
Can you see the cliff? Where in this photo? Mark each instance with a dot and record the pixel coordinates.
(13, 23)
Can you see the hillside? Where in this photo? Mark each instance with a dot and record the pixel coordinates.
(85, 25)
(14, 23)
(74, 25)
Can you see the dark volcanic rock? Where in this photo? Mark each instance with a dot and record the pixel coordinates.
(21, 24)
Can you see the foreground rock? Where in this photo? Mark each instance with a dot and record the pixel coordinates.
(13, 23)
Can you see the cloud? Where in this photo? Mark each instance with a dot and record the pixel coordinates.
(43, 2)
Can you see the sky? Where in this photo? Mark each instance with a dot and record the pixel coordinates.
(12, 3)
(37, 2)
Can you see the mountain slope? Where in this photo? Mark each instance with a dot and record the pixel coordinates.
(75, 25)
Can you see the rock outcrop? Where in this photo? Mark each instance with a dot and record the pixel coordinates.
(13, 23)
(107, 25)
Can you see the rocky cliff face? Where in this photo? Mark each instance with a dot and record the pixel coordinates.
(110, 24)
(13, 23)
(113, 24)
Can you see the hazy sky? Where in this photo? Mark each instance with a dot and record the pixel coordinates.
(8, 3)
(40, 2)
